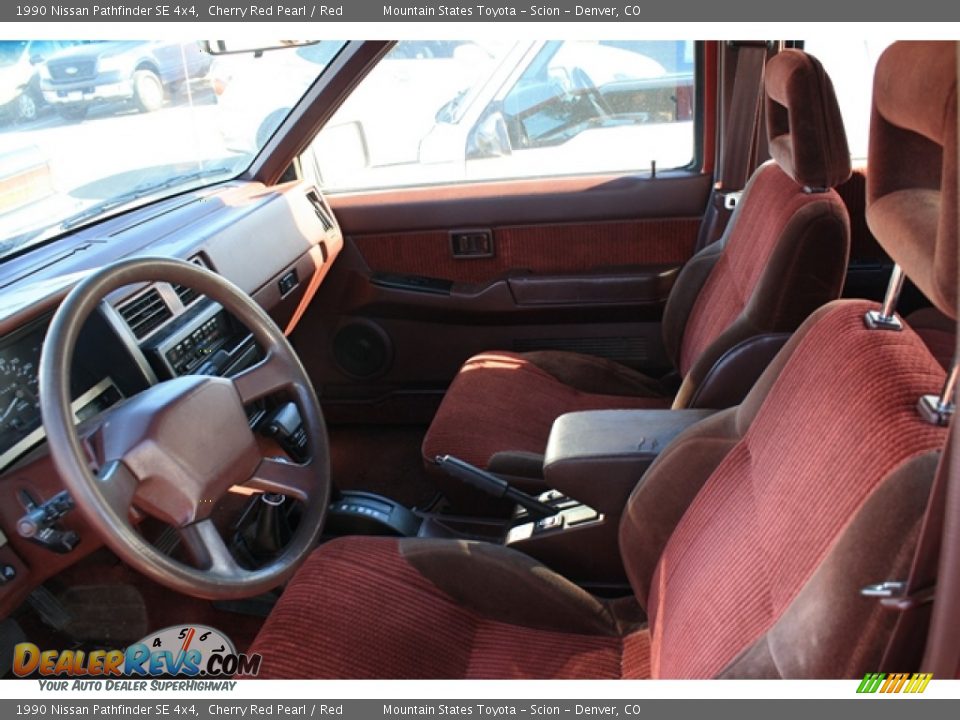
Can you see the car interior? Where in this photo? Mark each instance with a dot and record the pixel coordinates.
(687, 422)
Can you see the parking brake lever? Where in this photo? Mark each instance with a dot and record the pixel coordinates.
(490, 484)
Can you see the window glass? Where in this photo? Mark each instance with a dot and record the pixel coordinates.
(41, 49)
(442, 112)
(89, 127)
(850, 66)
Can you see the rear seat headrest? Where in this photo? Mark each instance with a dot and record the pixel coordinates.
(912, 179)
(804, 126)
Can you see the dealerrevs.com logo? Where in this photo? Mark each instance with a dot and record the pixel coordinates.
(181, 651)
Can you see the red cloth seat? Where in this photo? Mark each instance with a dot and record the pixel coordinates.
(383, 613)
(783, 255)
(505, 401)
(818, 490)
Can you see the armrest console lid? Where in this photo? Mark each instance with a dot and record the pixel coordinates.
(598, 456)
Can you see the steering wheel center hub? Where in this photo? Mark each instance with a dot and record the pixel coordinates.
(186, 441)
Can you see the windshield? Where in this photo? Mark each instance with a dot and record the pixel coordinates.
(90, 128)
(10, 51)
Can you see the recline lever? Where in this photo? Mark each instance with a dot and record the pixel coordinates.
(490, 484)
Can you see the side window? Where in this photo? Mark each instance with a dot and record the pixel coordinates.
(459, 111)
(850, 66)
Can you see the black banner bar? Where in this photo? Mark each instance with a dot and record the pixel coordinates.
(468, 11)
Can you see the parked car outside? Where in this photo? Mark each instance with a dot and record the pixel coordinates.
(20, 96)
(255, 91)
(133, 72)
(461, 110)
(28, 190)
(248, 117)
(527, 108)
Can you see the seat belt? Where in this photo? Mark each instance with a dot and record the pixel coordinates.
(942, 654)
(913, 598)
(739, 141)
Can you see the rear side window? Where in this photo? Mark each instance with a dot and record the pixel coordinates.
(457, 111)
(850, 66)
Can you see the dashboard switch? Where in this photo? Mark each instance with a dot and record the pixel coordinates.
(39, 525)
(285, 427)
(58, 541)
(288, 282)
(43, 516)
(8, 573)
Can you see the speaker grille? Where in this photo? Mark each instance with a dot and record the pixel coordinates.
(361, 349)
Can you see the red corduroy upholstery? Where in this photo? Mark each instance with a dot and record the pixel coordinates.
(839, 419)
(772, 200)
(364, 612)
(502, 401)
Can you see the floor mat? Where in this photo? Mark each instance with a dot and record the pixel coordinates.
(127, 589)
(109, 614)
(382, 459)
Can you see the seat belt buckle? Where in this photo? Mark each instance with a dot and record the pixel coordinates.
(732, 199)
(892, 594)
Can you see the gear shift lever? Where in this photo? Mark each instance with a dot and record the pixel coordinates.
(268, 534)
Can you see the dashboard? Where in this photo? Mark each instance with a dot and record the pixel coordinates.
(21, 426)
(19, 395)
(276, 244)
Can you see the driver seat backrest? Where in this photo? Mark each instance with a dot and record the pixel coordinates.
(751, 536)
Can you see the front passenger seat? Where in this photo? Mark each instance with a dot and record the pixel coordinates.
(783, 255)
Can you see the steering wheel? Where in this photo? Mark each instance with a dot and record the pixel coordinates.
(582, 81)
(172, 451)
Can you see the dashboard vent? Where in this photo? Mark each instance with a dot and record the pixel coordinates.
(320, 210)
(186, 294)
(145, 313)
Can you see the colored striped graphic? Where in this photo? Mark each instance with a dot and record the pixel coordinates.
(913, 683)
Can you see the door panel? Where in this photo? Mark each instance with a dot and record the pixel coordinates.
(580, 265)
(519, 196)
(541, 249)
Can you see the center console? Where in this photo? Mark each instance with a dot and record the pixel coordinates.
(593, 462)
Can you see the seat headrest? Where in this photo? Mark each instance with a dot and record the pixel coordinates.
(912, 179)
(804, 126)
